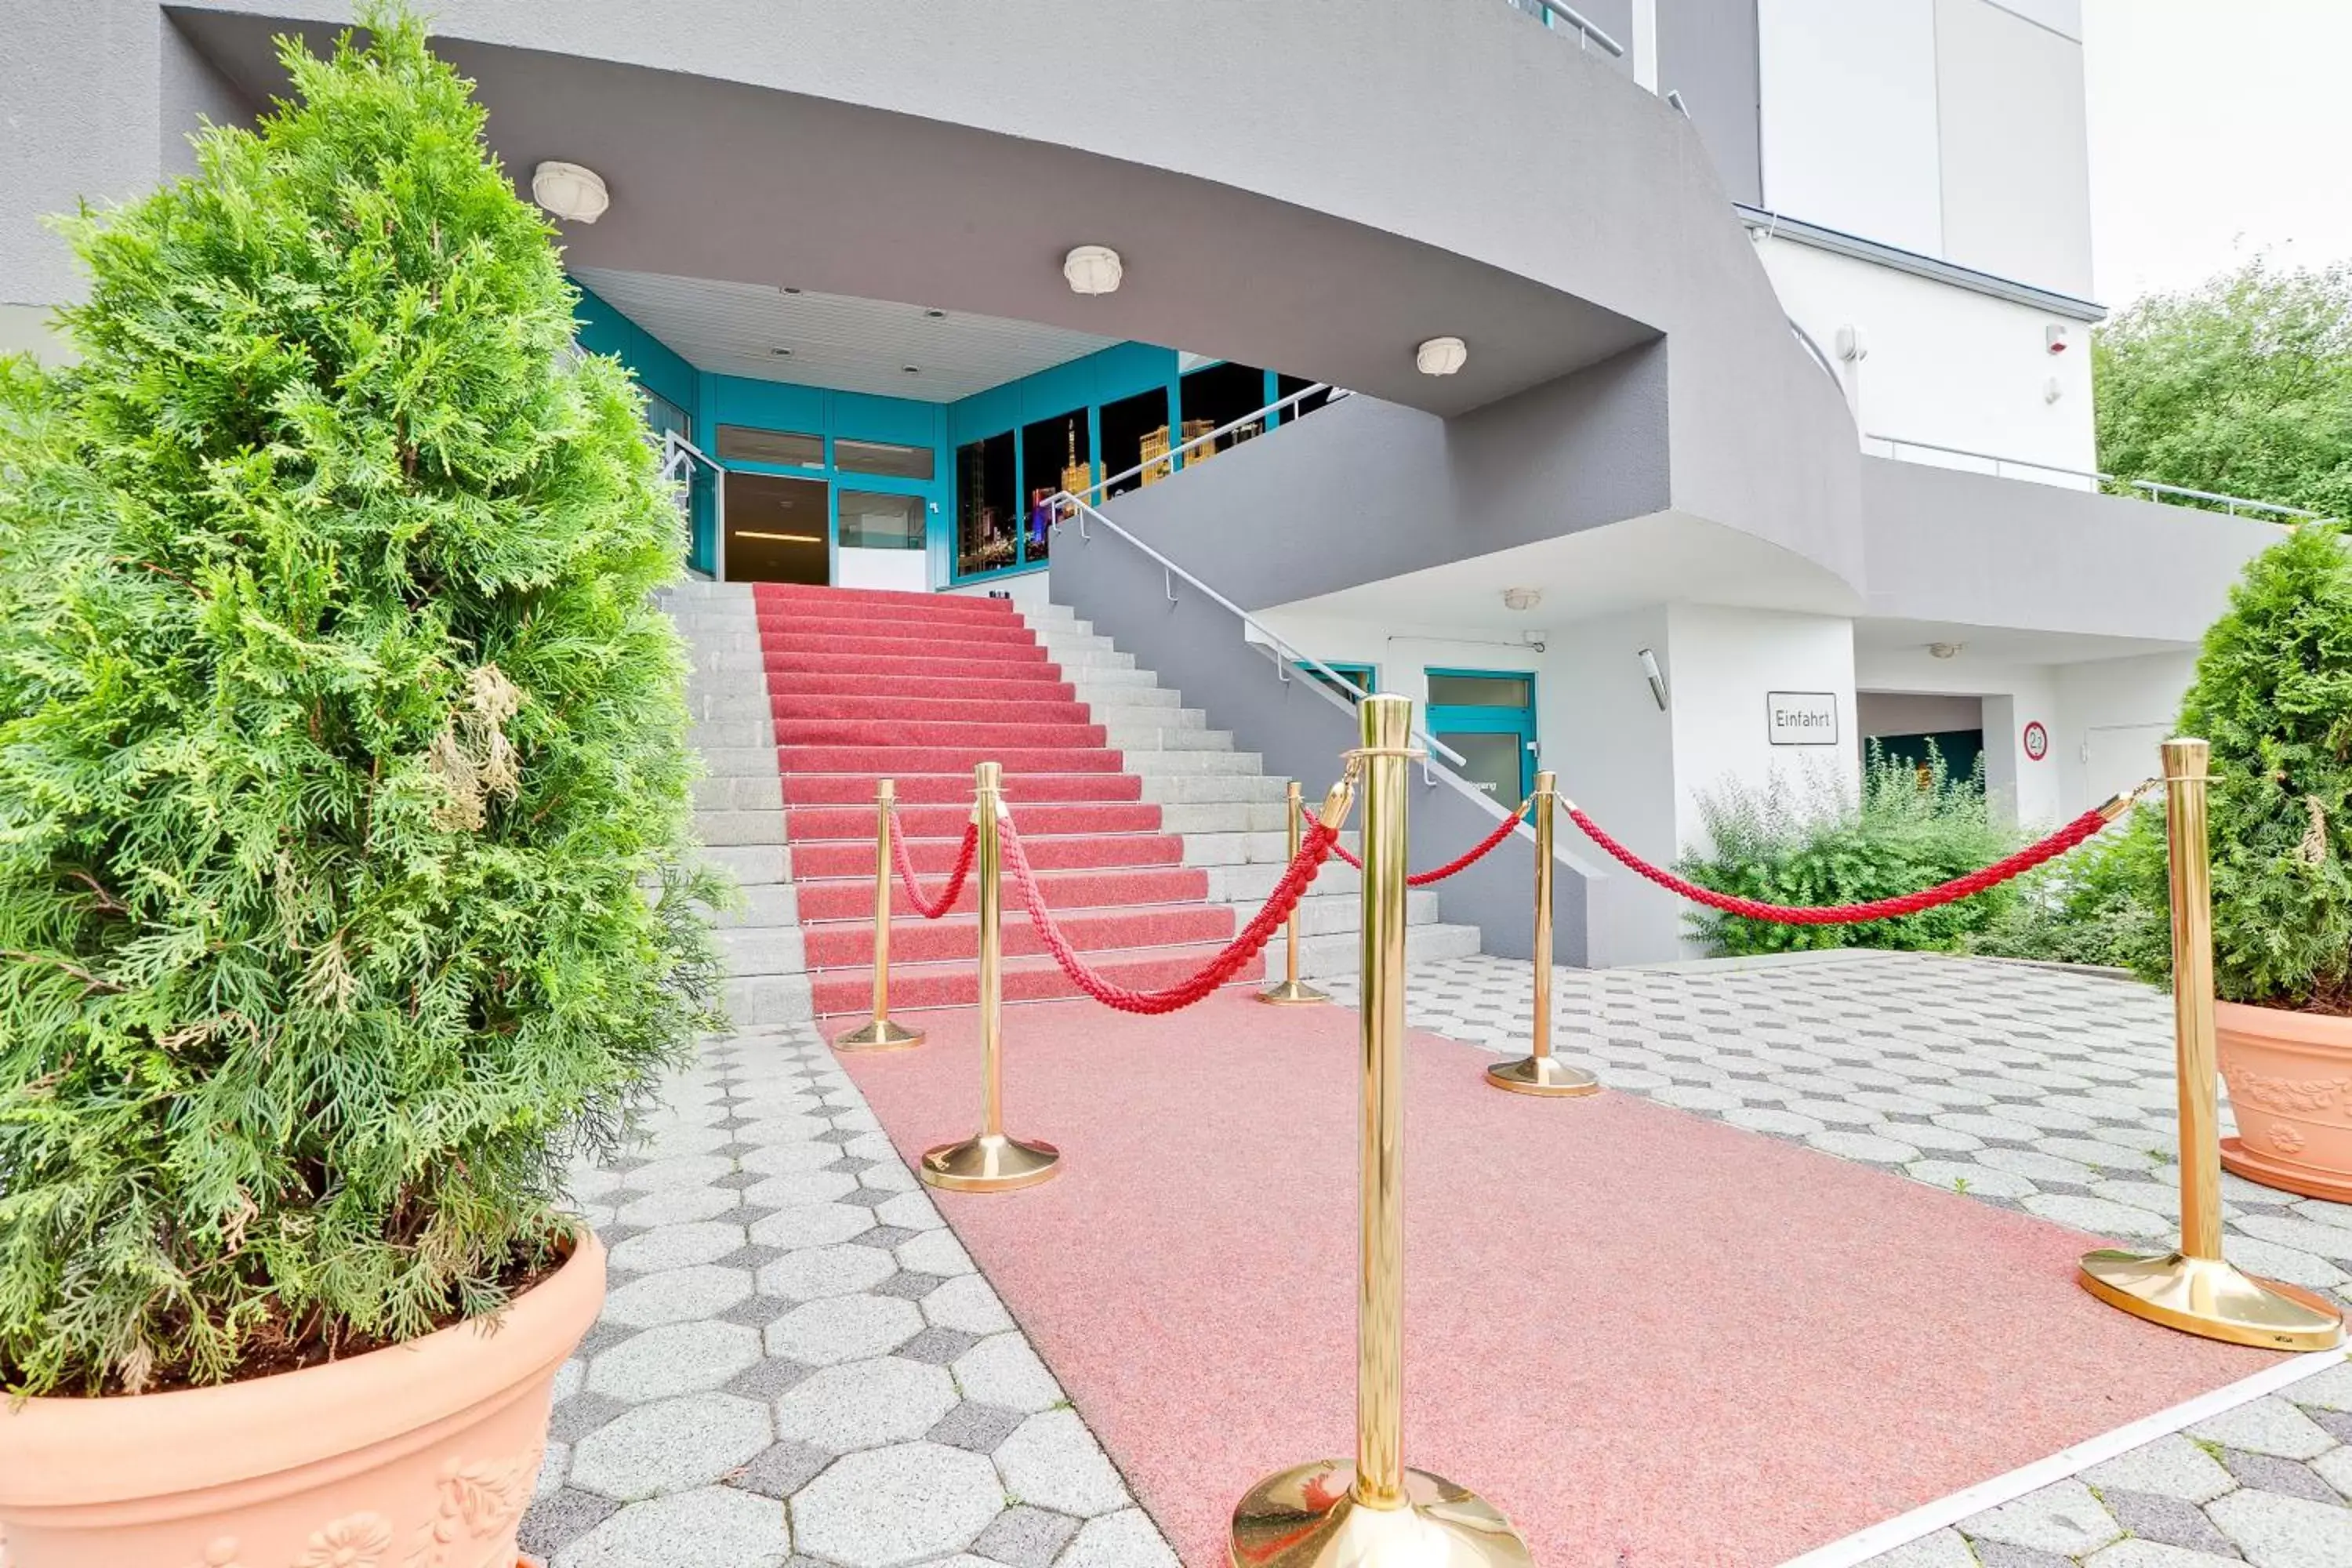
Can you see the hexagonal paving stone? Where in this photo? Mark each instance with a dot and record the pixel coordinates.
(2284, 1532)
(2097, 1216)
(1122, 1539)
(817, 1271)
(933, 1252)
(890, 1506)
(671, 1447)
(844, 1328)
(689, 1530)
(794, 1189)
(1003, 1370)
(865, 1403)
(780, 1159)
(677, 1246)
(812, 1225)
(915, 1211)
(684, 1171)
(2065, 1521)
(677, 1295)
(1982, 1181)
(682, 1358)
(1850, 1145)
(2272, 1425)
(675, 1206)
(1053, 1461)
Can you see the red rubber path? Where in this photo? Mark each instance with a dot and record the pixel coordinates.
(1654, 1340)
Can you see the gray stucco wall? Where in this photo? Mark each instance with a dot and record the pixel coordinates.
(1951, 546)
(1363, 489)
(1707, 52)
(1197, 647)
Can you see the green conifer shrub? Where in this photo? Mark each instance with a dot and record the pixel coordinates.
(2273, 695)
(345, 887)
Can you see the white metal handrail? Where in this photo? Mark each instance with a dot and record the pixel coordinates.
(679, 457)
(1094, 491)
(2154, 486)
(1585, 30)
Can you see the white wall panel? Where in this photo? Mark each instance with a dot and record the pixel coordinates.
(1849, 117)
(1946, 364)
(2015, 149)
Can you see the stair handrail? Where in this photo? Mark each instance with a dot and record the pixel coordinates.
(1094, 491)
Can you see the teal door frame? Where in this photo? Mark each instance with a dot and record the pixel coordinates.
(1480, 719)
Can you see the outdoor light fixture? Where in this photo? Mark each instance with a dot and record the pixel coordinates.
(1655, 677)
(570, 191)
(2055, 338)
(1441, 356)
(1522, 598)
(1945, 650)
(1093, 269)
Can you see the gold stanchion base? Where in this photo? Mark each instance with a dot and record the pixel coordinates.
(1291, 993)
(991, 1163)
(1309, 1517)
(881, 1035)
(2206, 1296)
(1542, 1075)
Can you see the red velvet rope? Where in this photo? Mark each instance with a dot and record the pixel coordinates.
(1462, 862)
(1312, 851)
(929, 908)
(2000, 871)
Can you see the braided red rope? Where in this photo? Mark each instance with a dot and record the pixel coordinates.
(1462, 862)
(929, 908)
(2000, 871)
(1253, 939)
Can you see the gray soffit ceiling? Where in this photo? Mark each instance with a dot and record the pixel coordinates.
(720, 181)
(837, 341)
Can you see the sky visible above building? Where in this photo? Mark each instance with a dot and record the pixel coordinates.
(2219, 132)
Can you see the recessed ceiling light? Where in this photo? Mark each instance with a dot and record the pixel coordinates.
(1441, 356)
(1093, 269)
(912, 369)
(790, 289)
(570, 191)
(936, 315)
(781, 353)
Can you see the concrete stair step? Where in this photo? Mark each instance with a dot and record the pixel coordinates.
(740, 827)
(751, 864)
(1156, 735)
(739, 792)
(1192, 789)
(1342, 953)
(755, 1000)
(1150, 763)
(748, 951)
(760, 904)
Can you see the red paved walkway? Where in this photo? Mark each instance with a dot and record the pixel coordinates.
(1655, 1341)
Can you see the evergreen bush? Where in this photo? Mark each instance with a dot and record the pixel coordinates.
(1909, 829)
(2273, 695)
(344, 878)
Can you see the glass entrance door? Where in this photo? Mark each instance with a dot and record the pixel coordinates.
(1488, 716)
(778, 530)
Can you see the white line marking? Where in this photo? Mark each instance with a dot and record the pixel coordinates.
(1906, 1528)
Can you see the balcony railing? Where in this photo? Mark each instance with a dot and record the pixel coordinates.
(2110, 484)
(1560, 17)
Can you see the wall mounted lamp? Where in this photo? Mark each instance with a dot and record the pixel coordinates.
(1655, 677)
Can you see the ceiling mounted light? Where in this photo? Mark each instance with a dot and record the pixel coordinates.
(911, 369)
(936, 315)
(1441, 356)
(1945, 650)
(1522, 598)
(781, 353)
(570, 191)
(1093, 269)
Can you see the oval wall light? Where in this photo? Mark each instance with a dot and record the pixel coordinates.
(570, 191)
(1093, 269)
(1441, 356)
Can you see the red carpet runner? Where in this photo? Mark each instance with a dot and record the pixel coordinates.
(919, 687)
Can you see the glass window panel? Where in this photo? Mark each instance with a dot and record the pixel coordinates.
(1491, 762)
(988, 527)
(1478, 690)
(871, 521)
(782, 448)
(887, 458)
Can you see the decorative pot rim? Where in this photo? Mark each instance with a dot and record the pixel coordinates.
(66, 1451)
(2286, 1026)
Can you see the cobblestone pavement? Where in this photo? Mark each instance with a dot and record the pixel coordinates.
(797, 1362)
(2033, 1089)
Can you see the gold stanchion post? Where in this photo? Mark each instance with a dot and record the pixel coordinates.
(1291, 990)
(2192, 1288)
(882, 1033)
(1376, 1513)
(990, 1162)
(1541, 1072)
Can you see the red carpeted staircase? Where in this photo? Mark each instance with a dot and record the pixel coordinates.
(919, 687)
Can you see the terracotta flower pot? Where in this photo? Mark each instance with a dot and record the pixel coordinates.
(420, 1456)
(2290, 1078)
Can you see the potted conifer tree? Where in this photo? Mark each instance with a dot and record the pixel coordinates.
(345, 875)
(2274, 695)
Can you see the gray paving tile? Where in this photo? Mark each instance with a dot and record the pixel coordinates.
(2171, 1521)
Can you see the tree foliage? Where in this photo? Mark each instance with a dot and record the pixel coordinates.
(2242, 386)
(1823, 845)
(344, 807)
(2273, 695)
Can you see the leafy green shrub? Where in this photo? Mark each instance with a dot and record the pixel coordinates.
(2274, 695)
(2089, 906)
(343, 783)
(1821, 846)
